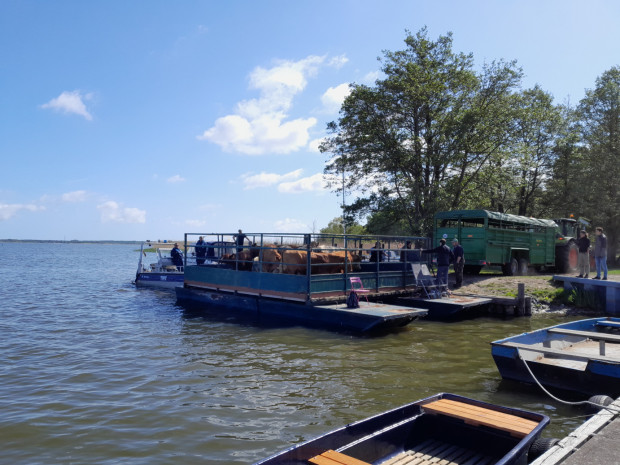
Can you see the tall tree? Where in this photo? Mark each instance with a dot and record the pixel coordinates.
(417, 141)
(538, 125)
(599, 113)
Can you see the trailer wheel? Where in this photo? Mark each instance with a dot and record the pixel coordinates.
(523, 267)
(511, 268)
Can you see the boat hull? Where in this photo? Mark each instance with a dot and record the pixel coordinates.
(159, 280)
(588, 373)
(407, 428)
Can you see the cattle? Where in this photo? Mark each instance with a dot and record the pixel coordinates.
(241, 261)
(296, 262)
(272, 260)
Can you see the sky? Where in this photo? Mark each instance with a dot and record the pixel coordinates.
(145, 119)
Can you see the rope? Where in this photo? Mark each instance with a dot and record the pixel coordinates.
(582, 402)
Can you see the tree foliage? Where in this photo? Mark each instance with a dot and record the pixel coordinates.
(436, 133)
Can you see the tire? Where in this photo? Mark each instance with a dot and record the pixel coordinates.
(523, 267)
(566, 257)
(539, 447)
(511, 268)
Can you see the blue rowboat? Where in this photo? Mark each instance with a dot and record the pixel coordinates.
(581, 356)
(444, 428)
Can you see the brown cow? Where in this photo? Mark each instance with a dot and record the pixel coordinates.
(272, 260)
(296, 262)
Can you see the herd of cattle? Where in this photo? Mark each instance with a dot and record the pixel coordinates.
(277, 259)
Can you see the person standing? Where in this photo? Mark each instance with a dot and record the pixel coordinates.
(600, 253)
(177, 257)
(444, 257)
(239, 240)
(583, 259)
(459, 262)
(201, 251)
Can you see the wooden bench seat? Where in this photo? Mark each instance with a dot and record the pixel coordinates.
(560, 352)
(331, 457)
(481, 416)
(589, 334)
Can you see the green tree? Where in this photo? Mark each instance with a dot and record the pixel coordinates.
(335, 226)
(599, 115)
(418, 140)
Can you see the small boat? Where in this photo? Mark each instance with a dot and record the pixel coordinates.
(162, 273)
(581, 356)
(444, 428)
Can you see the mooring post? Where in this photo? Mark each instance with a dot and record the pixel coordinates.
(520, 309)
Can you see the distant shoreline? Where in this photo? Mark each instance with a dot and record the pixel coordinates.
(75, 241)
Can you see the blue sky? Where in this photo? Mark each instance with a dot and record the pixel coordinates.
(129, 120)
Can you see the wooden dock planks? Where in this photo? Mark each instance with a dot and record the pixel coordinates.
(433, 452)
(475, 415)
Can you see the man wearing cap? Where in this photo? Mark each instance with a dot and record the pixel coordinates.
(583, 258)
(459, 262)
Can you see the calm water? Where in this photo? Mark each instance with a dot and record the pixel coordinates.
(96, 371)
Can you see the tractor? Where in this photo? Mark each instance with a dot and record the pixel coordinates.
(566, 236)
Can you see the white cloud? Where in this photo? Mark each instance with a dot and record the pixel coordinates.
(175, 178)
(372, 77)
(339, 61)
(195, 223)
(112, 212)
(75, 197)
(313, 145)
(70, 102)
(289, 225)
(334, 97)
(252, 181)
(261, 125)
(8, 211)
(315, 182)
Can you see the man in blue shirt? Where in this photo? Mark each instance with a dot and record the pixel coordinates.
(459, 262)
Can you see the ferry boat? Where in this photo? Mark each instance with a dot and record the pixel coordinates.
(306, 279)
(441, 429)
(581, 356)
(157, 270)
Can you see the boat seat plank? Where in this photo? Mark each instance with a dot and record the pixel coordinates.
(481, 416)
(589, 334)
(608, 324)
(559, 352)
(331, 457)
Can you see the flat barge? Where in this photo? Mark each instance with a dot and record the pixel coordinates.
(305, 279)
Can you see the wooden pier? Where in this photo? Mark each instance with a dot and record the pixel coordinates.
(593, 443)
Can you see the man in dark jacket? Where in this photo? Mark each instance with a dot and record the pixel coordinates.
(600, 253)
(444, 258)
(177, 257)
(201, 251)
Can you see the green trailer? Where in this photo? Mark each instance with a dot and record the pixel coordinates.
(499, 239)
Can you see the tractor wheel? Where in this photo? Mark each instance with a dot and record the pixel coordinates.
(511, 268)
(523, 267)
(566, 257)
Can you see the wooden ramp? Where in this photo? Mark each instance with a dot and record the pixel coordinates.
(434, 452)
(480, 416)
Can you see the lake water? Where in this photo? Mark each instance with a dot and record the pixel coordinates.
(96, 371)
